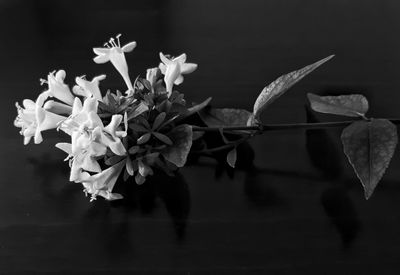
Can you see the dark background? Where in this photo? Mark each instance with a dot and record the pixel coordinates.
(298, 208)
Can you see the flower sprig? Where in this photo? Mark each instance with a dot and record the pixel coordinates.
(151, 128)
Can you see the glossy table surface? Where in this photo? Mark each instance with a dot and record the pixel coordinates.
(294, 205)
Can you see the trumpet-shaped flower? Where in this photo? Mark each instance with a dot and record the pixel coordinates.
(86, 118)
(173, 70)
(152, 75)
(89, 88)
(57, 107)
(82, 153)
(116, 55)
(89, 138)
(57, 87)
(102, 184)
(33, 119)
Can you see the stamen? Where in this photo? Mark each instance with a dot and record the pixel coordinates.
(118, 36)
(93, 197)
(106, 45)
(43, 81)
(112, 42)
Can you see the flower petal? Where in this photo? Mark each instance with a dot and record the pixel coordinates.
(101, 59)
(101, 51)
(180, 59)
(188, 68)
(129, 47)
(66, 147)
(164, 59)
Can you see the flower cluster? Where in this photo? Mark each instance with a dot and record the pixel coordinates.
(149, 127)
(113, 133)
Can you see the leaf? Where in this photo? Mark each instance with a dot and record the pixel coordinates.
(158, 120)
(231, 157)
(133, 150)
(113, 160)
(196, 108)
(138, 128)
(224, 117)
(144, 138)
(181, 137)
(129, 167)
(277, 88)
(345, 105)
(163, 138)
(369, 146)
(137, 110)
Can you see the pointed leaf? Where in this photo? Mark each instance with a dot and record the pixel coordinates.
(129, 167)
(194, 109)
(369, 146)
(137, 110)
(231, 157)
(277, 88)
(133, 150)
(113, 160)
(163, 138)
(224, 117)
(346, 105)
(144, 138)
(158, 120)
(181, 137)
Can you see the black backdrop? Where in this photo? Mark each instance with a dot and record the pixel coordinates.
(298, 209)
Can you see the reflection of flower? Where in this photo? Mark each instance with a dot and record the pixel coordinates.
(102, 184)
(115, 54)
(57, 88)
(33, 119)
(173, 70)
(89, 88)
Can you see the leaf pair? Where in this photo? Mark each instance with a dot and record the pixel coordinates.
(368, 144)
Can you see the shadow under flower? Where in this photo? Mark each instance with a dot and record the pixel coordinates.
(172, 191)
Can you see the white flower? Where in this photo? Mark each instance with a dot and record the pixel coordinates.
(57, 107)
(86, 118)
(111, 136)
(82, 153)
(151, 75)
(57, 88)
(102, 184)
(89, 88)
(89, 138)
(115, 54)
(33, 119)
(173, 70)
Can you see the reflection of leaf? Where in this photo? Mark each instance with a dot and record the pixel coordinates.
(346, 105)
(322, 150)
(277, 88)
(369, 146)
(182, 141)
(342, 213)
(231, 158)
(224, 117)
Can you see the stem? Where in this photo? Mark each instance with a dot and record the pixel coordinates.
(223, 147)
(273, 127)
(270, 127)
